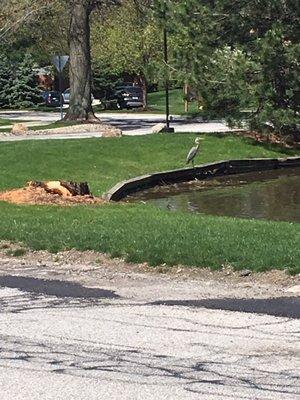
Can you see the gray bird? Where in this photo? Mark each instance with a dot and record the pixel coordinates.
(193, 152)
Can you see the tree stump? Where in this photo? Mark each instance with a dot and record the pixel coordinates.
(63, 188)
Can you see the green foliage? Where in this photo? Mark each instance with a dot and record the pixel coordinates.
(5, 80)
(105, 79)
(37, 27)
(238, 56)
(24, 91)
(128, 42)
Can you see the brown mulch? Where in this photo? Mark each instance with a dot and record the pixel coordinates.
(30, 195)
(272, 138)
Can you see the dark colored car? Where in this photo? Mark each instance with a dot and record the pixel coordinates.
(129, 97)
(66, 96)
(51, 98)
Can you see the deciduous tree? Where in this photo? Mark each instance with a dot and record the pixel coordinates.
(129, 42)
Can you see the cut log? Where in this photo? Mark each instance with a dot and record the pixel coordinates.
(63, 188)
(77, 189)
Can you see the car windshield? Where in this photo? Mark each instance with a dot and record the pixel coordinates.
(130, 89)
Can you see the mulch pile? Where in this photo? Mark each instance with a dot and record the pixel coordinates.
(31, 195)
(283, 141)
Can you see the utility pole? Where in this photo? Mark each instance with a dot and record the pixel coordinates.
(60, 62)
(167, 128)
(60, 88)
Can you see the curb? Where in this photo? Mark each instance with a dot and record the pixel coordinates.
(201, 172)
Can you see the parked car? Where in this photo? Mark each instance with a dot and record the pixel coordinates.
(66, 96)
(51, 98)
(128, 97)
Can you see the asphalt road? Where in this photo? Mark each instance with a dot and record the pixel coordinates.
(62, 340)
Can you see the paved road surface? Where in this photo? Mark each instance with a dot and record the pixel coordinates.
(67, 341)
(131, 124)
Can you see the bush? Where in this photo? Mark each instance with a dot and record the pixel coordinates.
(24, 91)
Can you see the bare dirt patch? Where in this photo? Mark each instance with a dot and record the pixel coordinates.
(94, 269)
(37, 195)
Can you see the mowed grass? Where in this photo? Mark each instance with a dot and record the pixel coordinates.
(141, 233)
(104, 162)
(157, 102)
(134, 231)
(6, 121)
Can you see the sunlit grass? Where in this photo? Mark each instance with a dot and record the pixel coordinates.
(133, 231)
(105, 161)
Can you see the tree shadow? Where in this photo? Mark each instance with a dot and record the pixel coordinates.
(55, 288)
(288, 307)
(48, 294)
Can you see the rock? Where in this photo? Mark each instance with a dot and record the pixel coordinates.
(158, 128)
(19, 129)
(294, 289)
(245, 272)
(110, 131)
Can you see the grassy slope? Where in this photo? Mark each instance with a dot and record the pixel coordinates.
(104, 162)
(143, 233)
(137, 232)
(156, 102)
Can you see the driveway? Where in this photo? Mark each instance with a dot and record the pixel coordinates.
(74, 331)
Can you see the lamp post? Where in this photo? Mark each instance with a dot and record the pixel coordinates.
(167, 128)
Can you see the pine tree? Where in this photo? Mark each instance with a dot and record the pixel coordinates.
(5, 80)
(24, 91)
(240, 56)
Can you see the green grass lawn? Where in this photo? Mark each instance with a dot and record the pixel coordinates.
(138, 232)
(157, 101)
(157, 104)
(6, 121)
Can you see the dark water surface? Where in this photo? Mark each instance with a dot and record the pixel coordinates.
(271, 195)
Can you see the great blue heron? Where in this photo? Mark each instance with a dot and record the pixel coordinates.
(193, 152)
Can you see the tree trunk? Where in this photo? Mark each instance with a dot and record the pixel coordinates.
(142, 83)
(80, 108)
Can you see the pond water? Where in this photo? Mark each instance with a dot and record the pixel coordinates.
(271, 195)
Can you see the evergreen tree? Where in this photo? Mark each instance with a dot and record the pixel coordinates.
(5, 80)
(24, 91)
(239, 55)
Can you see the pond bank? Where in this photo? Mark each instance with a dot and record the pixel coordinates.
(201, 172)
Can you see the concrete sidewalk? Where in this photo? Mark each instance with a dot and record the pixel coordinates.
(130, 124)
